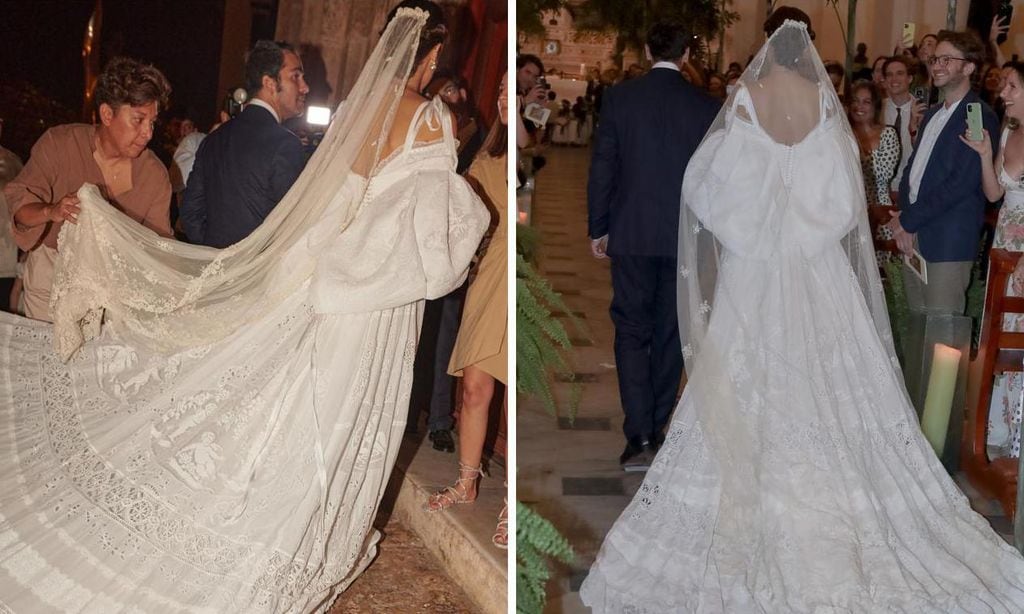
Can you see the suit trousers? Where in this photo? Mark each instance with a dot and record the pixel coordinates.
(648, 355)
(946, 290)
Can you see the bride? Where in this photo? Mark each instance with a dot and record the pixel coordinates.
(794, 477)
(222, 442)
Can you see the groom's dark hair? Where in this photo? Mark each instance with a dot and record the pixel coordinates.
(668, 41)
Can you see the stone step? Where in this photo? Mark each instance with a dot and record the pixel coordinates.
(460, 537)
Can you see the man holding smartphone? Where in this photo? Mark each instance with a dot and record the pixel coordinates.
(942, 203)
(902, 111)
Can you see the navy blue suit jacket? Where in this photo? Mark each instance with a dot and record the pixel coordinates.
(950, 207)
(649, 128)
(242, 170)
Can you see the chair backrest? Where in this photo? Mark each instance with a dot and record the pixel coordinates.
(999, 351)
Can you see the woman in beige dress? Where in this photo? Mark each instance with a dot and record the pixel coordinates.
(481, 352)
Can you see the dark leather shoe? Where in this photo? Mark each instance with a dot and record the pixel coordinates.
(442, 440)
(637, 457)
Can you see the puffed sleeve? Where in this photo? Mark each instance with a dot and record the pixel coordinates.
(413, 240)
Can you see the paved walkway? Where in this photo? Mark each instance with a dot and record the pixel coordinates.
(438, 563)
(405, 577)
(571, 474)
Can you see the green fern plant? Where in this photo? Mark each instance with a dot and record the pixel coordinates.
(537, 541)
(541, 344)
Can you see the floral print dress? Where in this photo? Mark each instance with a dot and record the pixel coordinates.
(1004, 417)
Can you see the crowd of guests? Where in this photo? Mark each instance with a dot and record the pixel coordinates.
(215, 188)
(907, 111)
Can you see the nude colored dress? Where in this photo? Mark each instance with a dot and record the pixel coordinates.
(483, 333)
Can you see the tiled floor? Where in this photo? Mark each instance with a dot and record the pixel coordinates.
(570, 471)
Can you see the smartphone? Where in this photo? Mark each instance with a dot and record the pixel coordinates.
(974, 122)
(909, 31)
(921, 94)
(1004, 12)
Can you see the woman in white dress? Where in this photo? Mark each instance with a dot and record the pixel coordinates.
(794, 477)
(222, 442)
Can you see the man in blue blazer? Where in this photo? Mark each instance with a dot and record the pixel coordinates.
(246, 166)
(649, 128)
(942, 204)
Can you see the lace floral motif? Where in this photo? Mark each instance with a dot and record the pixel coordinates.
(240, 476)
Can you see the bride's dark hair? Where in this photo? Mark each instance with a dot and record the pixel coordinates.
(434, 31)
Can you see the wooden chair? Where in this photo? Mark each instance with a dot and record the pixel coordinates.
(1000, 351)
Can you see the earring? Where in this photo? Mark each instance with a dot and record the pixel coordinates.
(433, 64)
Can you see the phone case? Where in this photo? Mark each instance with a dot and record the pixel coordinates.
(1006, 12)
(908, 34)
(974, 124)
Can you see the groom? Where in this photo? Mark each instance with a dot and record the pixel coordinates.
(649, 128)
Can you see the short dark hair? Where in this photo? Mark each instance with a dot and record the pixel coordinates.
(527, 58)
(967, 43)
(668, 41)
(264, 59)
(434, 31)
(834, 68)
(786, 13)
(897, 59)
(127, 81)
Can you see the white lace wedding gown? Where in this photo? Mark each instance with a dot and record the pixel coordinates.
(241, 476)
(807, 487)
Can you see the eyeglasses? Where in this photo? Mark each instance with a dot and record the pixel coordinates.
(944, 60)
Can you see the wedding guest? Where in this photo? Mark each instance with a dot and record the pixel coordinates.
(640, 151)
(836, 74)
(244, 168)
(922, 81)
(991, 86)
(879, 147)
(452, 89)
(529, 68)
(901, 111)
(581, 135)
(941, 211)
(480, 357)
(716, 86)
(1003, 178)
(10, 166)
(111, 154)
(878, 73)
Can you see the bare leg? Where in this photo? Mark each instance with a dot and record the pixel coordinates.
(477, 390)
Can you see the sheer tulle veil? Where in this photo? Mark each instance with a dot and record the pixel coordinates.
(784, 96)
(167, 295)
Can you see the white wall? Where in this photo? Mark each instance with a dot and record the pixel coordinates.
(879, 24)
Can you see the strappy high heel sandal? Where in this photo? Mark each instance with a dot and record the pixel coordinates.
(500, 538)
(455, 494)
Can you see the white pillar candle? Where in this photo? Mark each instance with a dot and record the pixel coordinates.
(939, 399)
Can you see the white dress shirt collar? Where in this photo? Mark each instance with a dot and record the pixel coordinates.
(265, 105)
(665, 64)
(926, 144)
